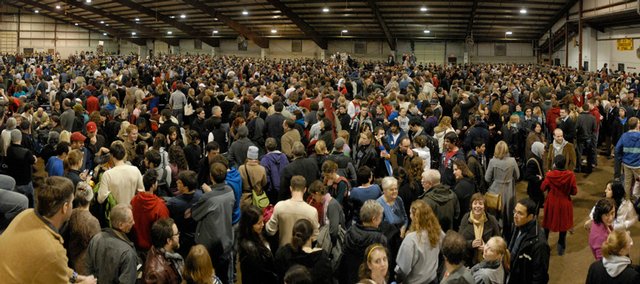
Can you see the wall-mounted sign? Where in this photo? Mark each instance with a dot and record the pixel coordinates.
(625, 44)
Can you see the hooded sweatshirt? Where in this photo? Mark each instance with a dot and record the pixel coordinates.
(615, 264)
(235, 181)
(444, 203)
(147, 208)
(274, 163)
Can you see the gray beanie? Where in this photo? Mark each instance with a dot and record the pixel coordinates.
(252, 153)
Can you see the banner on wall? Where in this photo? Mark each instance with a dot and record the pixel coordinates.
(624, 44)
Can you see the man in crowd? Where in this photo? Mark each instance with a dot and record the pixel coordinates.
(560, 146)
(34, 237)
(180, 204)
(528, 246)
(122, 180)
(21, 165)
(627, 154)
(300, 165)
(441, 199)
(147, 208)
(164, 264)
(111, 256)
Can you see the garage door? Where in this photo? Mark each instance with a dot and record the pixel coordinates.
(429, 52)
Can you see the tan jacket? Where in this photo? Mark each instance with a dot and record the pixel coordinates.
(32, 252)
(287, 141)
(257, 173)
(569, 153)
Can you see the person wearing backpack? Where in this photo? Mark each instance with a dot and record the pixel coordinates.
(153, 161)
(254, 178)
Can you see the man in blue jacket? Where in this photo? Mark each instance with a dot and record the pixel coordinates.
(627, 154)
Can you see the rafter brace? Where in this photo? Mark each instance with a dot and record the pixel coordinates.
(176, 24)
(111, 31)
(383, 24)
(302, 25)
(239, 28)
(82, 5)
(472, 17)
(558, 16)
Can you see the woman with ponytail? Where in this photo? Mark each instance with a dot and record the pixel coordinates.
(300, 251)
(615, 266)
(494, 267)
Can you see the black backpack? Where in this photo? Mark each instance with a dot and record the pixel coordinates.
(163, 187)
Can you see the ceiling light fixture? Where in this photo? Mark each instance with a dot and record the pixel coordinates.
(133, 33)
(137, 20)
(245, 12)
(106, 25)
(76, 24)
(173, 17)
(36, 11)
(169, 32)
(104, 34)
(508, 33)
(345, 31)
(183, 16)
(325, 10)
(273, 31)
(88, 1)
(102, 22)
(423, 9)
(427, 31)
(58, 7)
(523, 11)
(215, 31)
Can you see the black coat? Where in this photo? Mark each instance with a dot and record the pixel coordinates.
(316, 262)
(306, 167)
(464, 189)
(598, 274)
(531, 174)
(568, 129)
(257, 263)
(357, 239)
(530, 263)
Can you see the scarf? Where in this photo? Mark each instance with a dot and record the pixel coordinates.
(325, 204)
(478, 230)
(557, 148)
(175, 258)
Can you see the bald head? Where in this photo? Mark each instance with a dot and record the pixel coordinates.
(558, 135)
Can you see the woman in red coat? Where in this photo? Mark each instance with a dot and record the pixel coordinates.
(558, 209)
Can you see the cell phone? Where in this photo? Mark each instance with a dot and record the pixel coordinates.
(90, 173)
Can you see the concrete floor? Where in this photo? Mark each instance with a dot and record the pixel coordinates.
(573, 266)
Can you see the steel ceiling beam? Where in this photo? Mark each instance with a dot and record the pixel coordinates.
(109, 30)
(558, 16)
(100, 12)
(472, 15)
(239, 28)
(189, 30)
(383, 24)
(300, 23)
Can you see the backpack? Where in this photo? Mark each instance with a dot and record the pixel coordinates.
(335, 251)
(163, 187)
(432, 144)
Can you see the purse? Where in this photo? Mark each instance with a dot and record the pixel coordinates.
(493, 202)
(188, 109)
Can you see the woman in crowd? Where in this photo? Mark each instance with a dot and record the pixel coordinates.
(300, 251)
(502, 174)
(82, 226)
(376, 264)
(477, 227)
(443, 128)
(494, 267)
(534, 173)
(603, 215)
(558, 209)
(330, 211)
(177, 163)
(535, 135)
(417, 260)
(625, 213)
(615, 266)
(409, 188)
(320, 153)
(73, 164)
(256, 259)
(394, 213)
(198, 268)
(253, 174)
(464, 188)
(359, 237)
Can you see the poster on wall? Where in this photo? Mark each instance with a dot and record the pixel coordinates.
(28, 51)
(624, 44)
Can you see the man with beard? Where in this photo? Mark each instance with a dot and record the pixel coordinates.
(164, 264)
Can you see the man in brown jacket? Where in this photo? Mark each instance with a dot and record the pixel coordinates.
(163, 263)
(561, 146)
(291, 135)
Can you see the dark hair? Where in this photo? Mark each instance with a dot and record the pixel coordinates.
(603, 207)
(298, 274)
(212, 146)
(363, 175)
(250, 215)
(218, 172)
(415, 121)
(290, 123)
(220, 159)
(452, 137)
(153, 156)
(149, 179)
(117, 150)
(454, 247)
(61, 148)
(271, 144)
(278, 107)
(317, 186)
(559, 162)
(530, 205)
(189, 179)
(477, 143)
(618, 194)
(301, 233)
(52, 194)
(161, 230)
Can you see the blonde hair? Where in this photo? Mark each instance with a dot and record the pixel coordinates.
(344, 135)
(445, 123)
(514, 118)
(65, 136)
(73, 158)
(501, 150)
(615, 243)
(425, 220)
(321, 148)
(501, 249)
(197, 266)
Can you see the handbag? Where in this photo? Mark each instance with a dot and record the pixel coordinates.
(493, 202)
(258, 199)
(188, 109)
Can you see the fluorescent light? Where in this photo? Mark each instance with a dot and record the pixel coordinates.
(106, 25)
(133, 33)
(88, 1)
(245, 12)
(76, 24)
(273, 31)
(325, 10)
(58, 7)
(508, 33)
(215, 19)
(137, 19)
(183, 16)
(345, 31)
(423, 9)
(102, 22)
(523, 11)
(104, 34)
(169, 32)
(173, 17)
(427, 31)
(36, 11)
(215, 31)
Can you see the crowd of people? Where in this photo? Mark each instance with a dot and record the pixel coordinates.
(201, 169)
